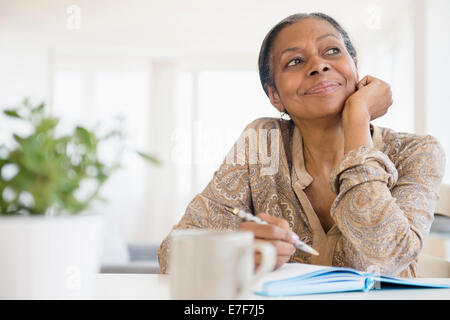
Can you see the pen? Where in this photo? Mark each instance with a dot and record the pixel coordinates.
(249, 217)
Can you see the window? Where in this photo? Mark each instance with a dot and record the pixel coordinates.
(95, 94)
(228, 100)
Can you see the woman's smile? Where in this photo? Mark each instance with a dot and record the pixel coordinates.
(323, 88)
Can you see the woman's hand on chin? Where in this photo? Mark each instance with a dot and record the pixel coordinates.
(372, 99)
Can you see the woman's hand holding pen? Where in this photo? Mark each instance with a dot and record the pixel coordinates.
(276, 232)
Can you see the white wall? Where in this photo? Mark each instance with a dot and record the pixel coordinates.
(437, 73)
(391, 59)
(24, 72)
(175, 35)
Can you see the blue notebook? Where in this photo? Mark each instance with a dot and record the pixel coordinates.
(337, 279)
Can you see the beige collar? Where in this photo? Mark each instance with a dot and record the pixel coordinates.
(298, 160)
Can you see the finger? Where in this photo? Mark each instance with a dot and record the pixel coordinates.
(282, 223)
(280, 260)
(258, 258)
(269, 232)
(284, 252)
(283, 248)
(364, 82)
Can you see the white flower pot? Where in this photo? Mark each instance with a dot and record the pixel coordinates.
(54, 257)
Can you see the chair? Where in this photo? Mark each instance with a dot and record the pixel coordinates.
(143, 258)
(432, 267)
(434, 259)
(443, 205)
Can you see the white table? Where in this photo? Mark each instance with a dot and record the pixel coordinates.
(156, 287)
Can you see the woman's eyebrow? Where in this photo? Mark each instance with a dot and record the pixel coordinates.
(326, 35)
(298, 48)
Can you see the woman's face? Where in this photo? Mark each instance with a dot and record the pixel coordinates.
(303, 55)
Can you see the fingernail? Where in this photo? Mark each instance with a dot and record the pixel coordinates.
(294, 237)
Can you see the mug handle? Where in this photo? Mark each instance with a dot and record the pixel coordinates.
(269, 254)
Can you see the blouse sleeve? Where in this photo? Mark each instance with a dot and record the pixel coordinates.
(228, 187)
(384, 211)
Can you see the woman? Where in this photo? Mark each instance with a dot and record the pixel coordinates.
(361, 195)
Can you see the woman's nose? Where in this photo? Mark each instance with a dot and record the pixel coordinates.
(317, 66)
(319, 69)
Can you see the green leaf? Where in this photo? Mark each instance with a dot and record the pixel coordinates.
(86, 137)
(12, 113)
(47, 124)
(39, 108)
(149, 158)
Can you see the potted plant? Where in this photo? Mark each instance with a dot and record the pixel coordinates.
(50, 244)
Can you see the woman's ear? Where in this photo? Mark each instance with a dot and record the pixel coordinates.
(275, 98)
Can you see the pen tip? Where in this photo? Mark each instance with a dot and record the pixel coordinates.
(314, 252)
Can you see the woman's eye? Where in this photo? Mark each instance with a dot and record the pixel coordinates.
(294, 62)
(337, 50)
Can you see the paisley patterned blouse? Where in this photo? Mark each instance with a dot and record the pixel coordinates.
(386, 196)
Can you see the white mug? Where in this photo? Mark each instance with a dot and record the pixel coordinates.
(211, 265)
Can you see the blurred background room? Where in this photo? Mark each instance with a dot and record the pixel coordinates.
(182, 75)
